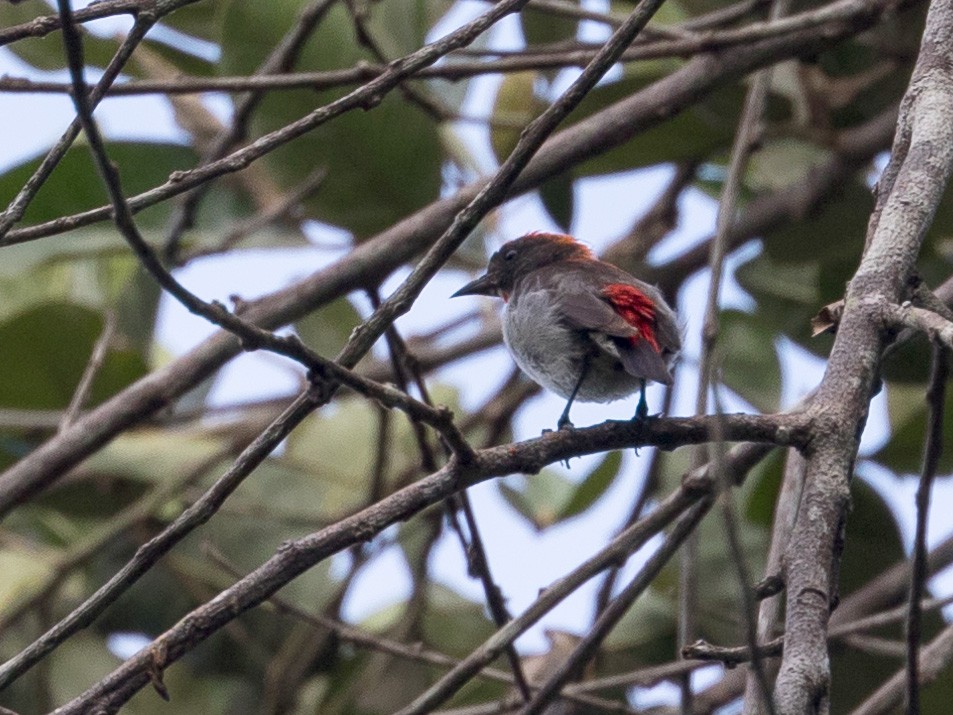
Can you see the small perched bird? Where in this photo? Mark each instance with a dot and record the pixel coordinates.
(579, 326)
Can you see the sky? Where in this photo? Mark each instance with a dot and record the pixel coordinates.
(522, 560)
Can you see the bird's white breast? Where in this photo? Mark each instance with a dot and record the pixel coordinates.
(553, 355)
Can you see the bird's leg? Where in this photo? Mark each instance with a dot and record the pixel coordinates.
(564, 417)
(641, 415)
(642, 409)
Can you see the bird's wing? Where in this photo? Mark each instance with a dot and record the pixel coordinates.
(640, 359)
(585, 310)
(616, 313)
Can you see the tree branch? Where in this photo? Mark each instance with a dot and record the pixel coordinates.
(374, 259)
(908, 196)
(295, 557)
(932, 449)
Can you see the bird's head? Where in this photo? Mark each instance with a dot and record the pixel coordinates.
(521, 256)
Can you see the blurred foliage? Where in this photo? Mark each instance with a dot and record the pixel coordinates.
(383, 163)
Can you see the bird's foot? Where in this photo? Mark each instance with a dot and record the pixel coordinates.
(562, 424)
(642, 419)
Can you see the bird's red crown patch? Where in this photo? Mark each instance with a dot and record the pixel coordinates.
(580, 249)
(636, 309)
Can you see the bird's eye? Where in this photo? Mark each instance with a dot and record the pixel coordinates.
(510, 255)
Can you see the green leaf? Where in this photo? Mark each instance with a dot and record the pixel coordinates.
(155, 455)
(872, 544)
(836, 231)
(788, 295)
(515, 106)
(647, 633)
(760, 489)
(907, 410)
(44, 351)
(48, 53)
(199, 19)
(670, 13)
(22, 568)
(557, 196)
(784, 162)
(644, 635)
(748, 360)
(693, 134)
(873, 538)
(341, 468)
(541, 27)
(455, 624)
(593, 486)
(396, 169)
(908, 362)
(327, 329)
(136, 311)
(549, 498)
(74, 185)
(540, 498)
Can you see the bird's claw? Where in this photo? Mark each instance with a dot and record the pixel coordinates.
(643, 419)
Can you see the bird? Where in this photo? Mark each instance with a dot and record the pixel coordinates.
(580, 327)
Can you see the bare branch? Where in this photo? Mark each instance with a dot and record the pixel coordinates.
(150, 552)
(96, 359)
(908, 196)
(932, 449)
(295, 557)
(907, 315)
(663, 99)
(604, 624)
(44, 25)
(934, 658)
(17, 207)
(280, 59)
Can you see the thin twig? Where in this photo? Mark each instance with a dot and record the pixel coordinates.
(18, 206)
(647, 486)
(295, 557)
(841, 18)
(933, 325)
(281, 59)
(96, 359)
(911, 187)
(746, 139)
(932, 449)
(45, 24)
(379, 256)
(474, 551)
(381, 644)
(732, 532)
(281, 211)
(150, 552)
(769, 611)
(732, 656)
(252, 336)
(935, 658)
(607, 620)
(494, 191)
(623, 545)
(99, 539)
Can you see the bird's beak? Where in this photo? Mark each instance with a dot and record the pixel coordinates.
(484, 285)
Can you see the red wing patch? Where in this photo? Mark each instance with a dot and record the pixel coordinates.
(636, 308)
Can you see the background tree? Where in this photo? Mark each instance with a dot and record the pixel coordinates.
(132, 505)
